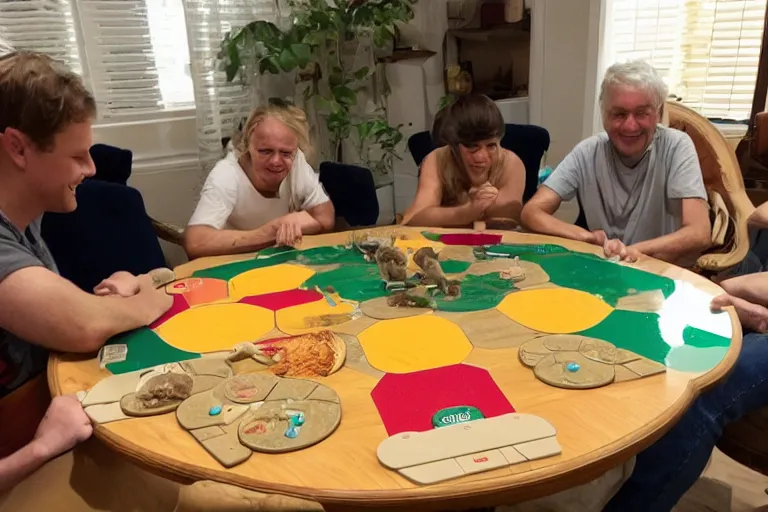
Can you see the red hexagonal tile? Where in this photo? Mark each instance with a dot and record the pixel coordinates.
(280, 300)
(408, 401)
(474, 239)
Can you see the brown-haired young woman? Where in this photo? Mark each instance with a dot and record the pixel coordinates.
(471, 177)
(262, 193)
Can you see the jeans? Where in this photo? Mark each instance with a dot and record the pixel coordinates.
(669, 467)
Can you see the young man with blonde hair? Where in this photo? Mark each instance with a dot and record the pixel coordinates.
(45, 136)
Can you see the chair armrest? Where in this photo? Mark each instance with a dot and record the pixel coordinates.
(168, 232)
(717, 262)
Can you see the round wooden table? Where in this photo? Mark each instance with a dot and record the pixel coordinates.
(598, 429)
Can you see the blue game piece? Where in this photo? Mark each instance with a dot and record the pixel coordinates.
(573, 367)
(291, 432)
(215, 410)
(297, 419)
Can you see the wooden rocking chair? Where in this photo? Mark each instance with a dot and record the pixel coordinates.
(722, 177)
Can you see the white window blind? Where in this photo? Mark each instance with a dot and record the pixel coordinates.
(133, 54)
(220, 105)
(41, 25)
(706, 50)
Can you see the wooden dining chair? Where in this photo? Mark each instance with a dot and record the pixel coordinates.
(723, 180)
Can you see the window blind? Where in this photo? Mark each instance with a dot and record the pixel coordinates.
(41, 25)
(133, 54)
(706, 50)
(721, 53)
(220, 105)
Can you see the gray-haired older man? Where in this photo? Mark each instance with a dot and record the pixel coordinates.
(639, 182)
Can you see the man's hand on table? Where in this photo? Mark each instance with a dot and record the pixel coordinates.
(616, 248)
(611, 247)
(751, 316)
(64, 425)
(123, 284)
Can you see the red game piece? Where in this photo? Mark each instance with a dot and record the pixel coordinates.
(470, 239)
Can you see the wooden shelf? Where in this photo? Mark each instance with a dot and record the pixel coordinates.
(512, 31)
(399, 55)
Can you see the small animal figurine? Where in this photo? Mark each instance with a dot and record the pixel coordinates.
(426, 259)
(392, 264)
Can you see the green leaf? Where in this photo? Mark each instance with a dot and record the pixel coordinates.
(269, 65)
(314, 38)
(303, 53)
(264, 31)
(328, 105)
(344, 95)
(233, 62)
(363, 130)
(287, 60)
(361, 73)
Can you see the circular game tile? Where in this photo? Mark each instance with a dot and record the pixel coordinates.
(572, 370)
(291, 422)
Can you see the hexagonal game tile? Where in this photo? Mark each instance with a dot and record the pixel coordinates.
(281, 300)
(260, 281)
(216, 327)
(555, 310)
(199, 290)
(408, 402)
(490, 329)
(415, 343)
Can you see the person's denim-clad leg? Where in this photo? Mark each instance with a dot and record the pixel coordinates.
(668, 468)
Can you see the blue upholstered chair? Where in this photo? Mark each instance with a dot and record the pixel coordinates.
(110, 229)
(352, 191)
(527, 141)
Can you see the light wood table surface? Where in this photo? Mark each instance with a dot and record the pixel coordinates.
(598, 429)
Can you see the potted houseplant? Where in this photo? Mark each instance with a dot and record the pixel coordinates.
(319, 47)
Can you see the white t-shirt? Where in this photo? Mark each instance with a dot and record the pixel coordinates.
(230, 201)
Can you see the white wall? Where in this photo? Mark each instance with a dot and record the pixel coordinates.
(560, 55)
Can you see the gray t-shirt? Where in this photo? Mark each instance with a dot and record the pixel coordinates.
(637, 203)
(20, 361)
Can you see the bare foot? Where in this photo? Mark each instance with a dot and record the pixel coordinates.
(752, 316)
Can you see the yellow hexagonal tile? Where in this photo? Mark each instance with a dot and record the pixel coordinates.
(259, 281)
(555, 310)
(215, 327)
(314, 316)
(415, 343)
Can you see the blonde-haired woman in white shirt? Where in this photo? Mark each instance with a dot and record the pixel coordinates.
(262, 193)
